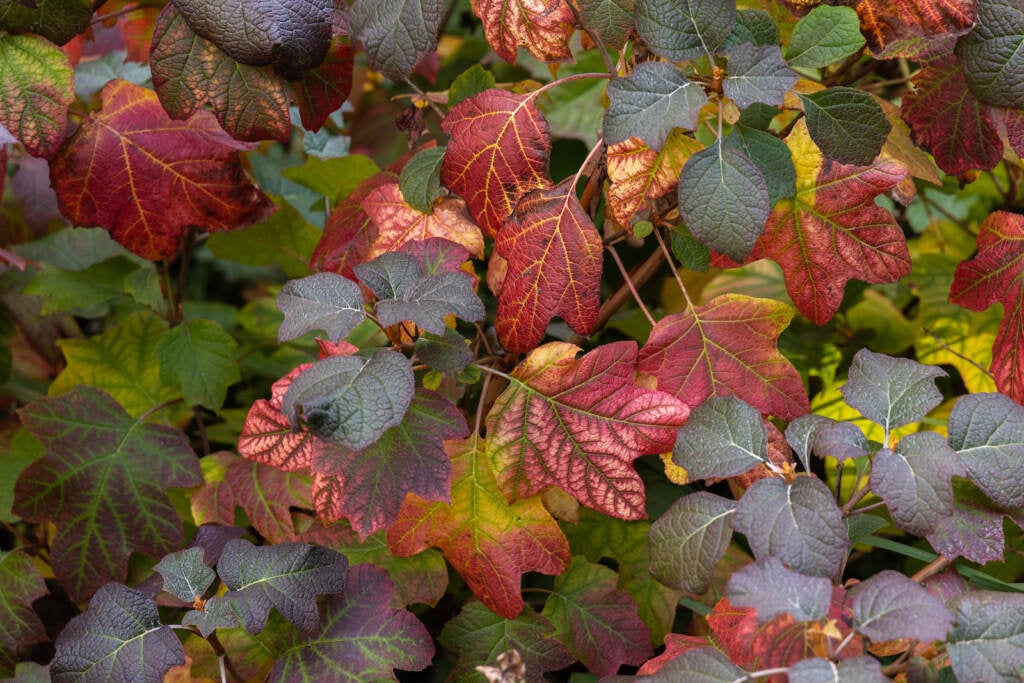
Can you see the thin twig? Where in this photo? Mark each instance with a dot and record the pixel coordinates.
(630, 285)
(127, 9)
(675, 272)
(936, 566)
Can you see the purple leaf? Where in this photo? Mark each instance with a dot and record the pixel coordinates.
(890, 606)
(772, 589)
(973, 531)
(324, 301)
(987, 431)
(853, 670)
(986, 642)
(891, 392)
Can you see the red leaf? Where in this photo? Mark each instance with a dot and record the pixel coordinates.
(675, 645)
(727, 346)
(350, 234)
(137, 27)
(554, 267)
(398, 223)
(322, 90)
(579, 424)
(36, 87)
(268, 437)
(1013, 119)
(907, 28)
(996, 275)
(498, 151)
(489, 542)
(190, 170)
(947, 119)
(832, 231)
(541, 26)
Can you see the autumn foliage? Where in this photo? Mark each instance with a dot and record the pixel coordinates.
(512, 340)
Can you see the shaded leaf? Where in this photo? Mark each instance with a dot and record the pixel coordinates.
(36, 87)
(769, 154)
(723, 200)
(689, 539)
(638, 173)
(986, 640)
(799, 523)
(757, 74)
(541, 26)
(420, 181)
(596, 620)
(448, 353)
(702, 665)
(361, 636)
(909, 28)
(611, 20)
(185, 574)
(826, 35)
(56, 20)
(478, 635)
(853, 670)
(772, 589)
(726, 346)
(396, 35)
(118, 638)
(470, 82)
(754, 27)
(103, 482)
(891, 392)
(579, 424)
(199, 356)
(888, 606)
(498, 150)
(285, 239)
(324, 89)
(987, 432)
(974, 530)
(723, 437)
(132, 139)
(490, 542)
(684, 30)
(991, 54)
(848, 125)
(20, 585)
(322, 301)
(554, 255)
(996, 275)
(649, 102)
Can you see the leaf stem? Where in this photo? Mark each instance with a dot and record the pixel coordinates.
(480, 404)
(846, 641)
(629, 283)
(855, 497)
(568, 79)
(934, 567)
(675, 272)
(222, 657)
(495, 371)
(127, 9)
(762, 673)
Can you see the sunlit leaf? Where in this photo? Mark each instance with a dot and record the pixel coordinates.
(199, 356)
(891, 392)
(826, 35)
(723, 437)
(911, 28)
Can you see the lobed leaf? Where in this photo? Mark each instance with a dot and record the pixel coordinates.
(889, 606)
(848, 125)
(284, 239)
(723, 437)
(199, 356)
(991, 54)
(914, 29)
(891, 392)
(185, 575)
(322, 301)
(36, 88)
(824, 36)
(396, 35)
(268, 437)
(986, 640)
(679, 31)
(689, 539)
(757, 74)
(773, 589)
(649, 102)
(21, 584)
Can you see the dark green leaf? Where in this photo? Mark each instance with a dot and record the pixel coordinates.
(723, 199)
(396, 34)
(848, 125)
(757, 74)
(689, 540)
(986, 641)
(22, 451)
(119, 638)
(350, 400)
(799, 523)
(773, 589)
(891, 392)
(611, 20)
(889, 606)
(861, 669)
(679, 30)
(824, 36)
(421, 179)
(690, 253)
(769, 154)
(753, 26)
(361, 637)
(323, 301)
(987, 432)
(648, 103)
(88, 292)
(20, 585)
(470, 82)
(448, 353)
(723, 437)
(993, 54)
(199, 356)
(55, 20)
(185, 575)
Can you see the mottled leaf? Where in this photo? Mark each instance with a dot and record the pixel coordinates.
(20, 585)
(36, 87)
(490, 542)
(185, 575)
(992, 54)
(199, 356)
(132, 140)
(322, 301)
(757, 74)
(684, 30)
(888, 606)
(103, 482)
(910, 28)
(638, 173)
(986, 641)
(689, 539)
(891, 392)
(852, 670)
(649, 102)
(996, 274)
(361, 636)
(420, 181)
(726, 346)
(596, 620)
(498, 151)
(825, 36)
(579, 424)
(848, 125)
(118, 638)
(396, 35)
(723, 437)
(541, 26)
(773, 589)
(267, 435)
(799, 523)
(554, 257)
(611, 20)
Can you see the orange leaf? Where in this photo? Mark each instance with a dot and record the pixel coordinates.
(639, 173)
(398, 223)
(541, 26)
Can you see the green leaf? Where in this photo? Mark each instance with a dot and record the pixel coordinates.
(986, 641)
(199, 356)
(75, 248)
(284, 239)
(987, 432)
(36, 87)
(649, 102)
(20, 585)
(332, 178)
(992, 54)
(757, 74)
(470, 82)
(891, 392)
(848, 125)
(824, 36)
(89, 292)
(753, 26)
(611, 20)
(689, 540)
(684, 30)
(396, 34)
(769, 154)
(22, 451)
(55, 20)
(723, 200)
(103, 482)
(421, 179)
(690, 253)
(448, 353)
(361, 637)
(119, 638)
(323, 301)
(185, 575)
(350, 400)
(722, 438)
